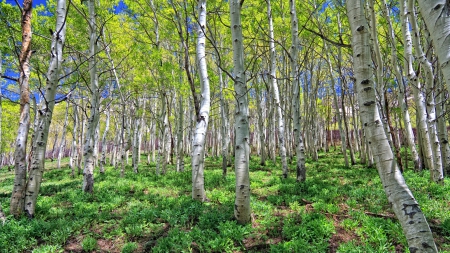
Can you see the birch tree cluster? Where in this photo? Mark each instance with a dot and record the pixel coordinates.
(96, 85)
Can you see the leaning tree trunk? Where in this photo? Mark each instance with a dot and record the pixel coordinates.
(39, 148)
(406, 208)
(198, 140)
(276, 93)
(298, 139)
(89, 144)
(18, 192)
(242, 202)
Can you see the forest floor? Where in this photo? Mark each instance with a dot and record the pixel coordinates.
(337, 209)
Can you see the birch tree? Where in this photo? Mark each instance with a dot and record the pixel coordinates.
(46, 114)
(242, 132)
(89, 143)
(20, 166)
(198, 140)
(298, 139)
(404, 205)
(276, 93)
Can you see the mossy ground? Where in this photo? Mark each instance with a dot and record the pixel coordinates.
(337, 209)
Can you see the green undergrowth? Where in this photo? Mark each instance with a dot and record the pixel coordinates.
(337, 209)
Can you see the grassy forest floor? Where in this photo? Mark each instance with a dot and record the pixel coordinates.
(337, 209)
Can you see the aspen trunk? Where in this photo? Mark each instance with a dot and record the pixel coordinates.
(224, 126)
(276, 93)
(406, 208)
(62, 146)
(198, 140)
(298, 139)
(180, 154)
(242, 202)
(89, 144)
(436, 171)
(74, 150)
(20, 166)
(39, 148)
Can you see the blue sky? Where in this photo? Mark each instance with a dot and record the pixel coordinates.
(35, 2)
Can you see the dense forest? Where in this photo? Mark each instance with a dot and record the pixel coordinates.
(224, 126)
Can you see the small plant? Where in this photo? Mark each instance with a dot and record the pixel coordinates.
(48, 249)
(129, 247)
(89, 244)
(349, 224)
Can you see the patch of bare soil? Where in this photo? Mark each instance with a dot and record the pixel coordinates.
(73, 245)
(341, 236)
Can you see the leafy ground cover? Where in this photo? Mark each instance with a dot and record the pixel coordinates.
(337, 209)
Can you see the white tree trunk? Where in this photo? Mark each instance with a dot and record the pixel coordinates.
(104, 143)
(224, 128)
(276, 93)
(406, 208)
(74, 150)
(402, 97)
(180, 153)
(298, 139)
(242, 209)
(62, 146)
(38, 157)
(89, 144)
(198, 140)
(436, 171)
(338, 112)
(20, 173)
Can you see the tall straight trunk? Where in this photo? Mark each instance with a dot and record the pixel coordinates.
(344, 116)
(338, 113)
(262, 135)
(276, 93)
(89, 144)
(436, 171)
(74, 149)
(62, 146)
(136, 132)
(198, 140)
(442, 129)
(104, 144)
(402, 94)
(242, 209)
(20, 166)
(180, 153)
(379, 65)
(39, 148)
(224, 126)
(404, 205)
(426, 146)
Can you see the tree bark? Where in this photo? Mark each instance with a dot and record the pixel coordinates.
(199, 138)
(276, 93)
(405, 207)
(89, 144)
(20, 166)
(298, 139)
(39, 148)
(242, 209)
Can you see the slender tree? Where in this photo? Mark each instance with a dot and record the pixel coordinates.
(404, 205)
(20, 166)
(242, 132)
(89, 143)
